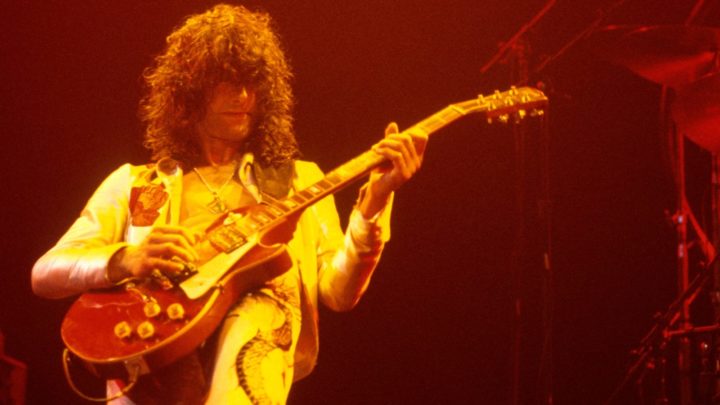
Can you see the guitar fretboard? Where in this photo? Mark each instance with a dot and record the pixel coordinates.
(362, 164)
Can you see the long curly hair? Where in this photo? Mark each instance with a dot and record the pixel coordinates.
(226, 43)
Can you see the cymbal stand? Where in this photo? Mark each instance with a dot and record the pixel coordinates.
(680, 221)
(715, 295)
(712, 254)
(687, 293)
(652, 350)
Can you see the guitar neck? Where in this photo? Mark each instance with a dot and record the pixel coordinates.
(500, 105)
(361, 165)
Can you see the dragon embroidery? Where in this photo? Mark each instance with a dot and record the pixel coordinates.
(145, 203)
(248, 363)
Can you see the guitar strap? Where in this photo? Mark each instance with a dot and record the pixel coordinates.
(275, 181)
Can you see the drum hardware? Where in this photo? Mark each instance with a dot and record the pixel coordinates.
(686, 60)
(696, 111)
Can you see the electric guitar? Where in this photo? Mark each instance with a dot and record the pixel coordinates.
(143, 325)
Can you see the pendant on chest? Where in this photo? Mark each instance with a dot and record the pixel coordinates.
(216, 205)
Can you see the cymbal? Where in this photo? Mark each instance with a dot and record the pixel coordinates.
(671, 55)
(696, 110)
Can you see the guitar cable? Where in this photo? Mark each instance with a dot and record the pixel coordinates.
(131, 383)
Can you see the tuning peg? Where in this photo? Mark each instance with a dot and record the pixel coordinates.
(513, 91)
(519, 116)
(497, 95)
(504, 118)
(537, 113)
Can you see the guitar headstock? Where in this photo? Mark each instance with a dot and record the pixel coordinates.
(515, 103)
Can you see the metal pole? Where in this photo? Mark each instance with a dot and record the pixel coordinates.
(715, 298)
(518, 72)
(684, 322)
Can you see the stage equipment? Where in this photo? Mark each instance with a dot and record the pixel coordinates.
(696, 111)
(685, 59)
(670, 55)
(515, 52)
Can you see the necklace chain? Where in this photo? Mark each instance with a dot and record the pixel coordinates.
(217, 205)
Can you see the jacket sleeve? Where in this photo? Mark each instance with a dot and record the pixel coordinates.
(79, 260)
(347, 262)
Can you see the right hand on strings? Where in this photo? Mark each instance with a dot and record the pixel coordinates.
(165, 249)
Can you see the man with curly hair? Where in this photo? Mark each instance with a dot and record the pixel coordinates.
(217, 113)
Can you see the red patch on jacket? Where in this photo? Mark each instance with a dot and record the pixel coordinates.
(145, 203)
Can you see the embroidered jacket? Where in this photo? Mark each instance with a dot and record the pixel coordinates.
(335, 268)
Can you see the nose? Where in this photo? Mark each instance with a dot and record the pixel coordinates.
(244, 97)
(241, 92)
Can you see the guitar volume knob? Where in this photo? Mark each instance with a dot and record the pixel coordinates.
(152, 309)
(122, 330)
(146, 330)
(176, 312)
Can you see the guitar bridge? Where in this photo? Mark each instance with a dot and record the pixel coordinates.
(227, 238)
(188, 271)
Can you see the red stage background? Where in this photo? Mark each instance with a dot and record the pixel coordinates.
(437, 324)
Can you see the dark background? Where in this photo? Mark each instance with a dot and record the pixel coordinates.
(437, 323)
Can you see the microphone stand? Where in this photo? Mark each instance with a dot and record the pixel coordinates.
(515, 50)
(511, 43)
(517, 47)
(602, 14)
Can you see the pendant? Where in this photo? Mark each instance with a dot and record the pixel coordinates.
(217, 206)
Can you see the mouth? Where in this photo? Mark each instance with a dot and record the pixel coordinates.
(236, 115)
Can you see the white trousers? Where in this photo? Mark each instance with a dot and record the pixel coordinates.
(255, 354)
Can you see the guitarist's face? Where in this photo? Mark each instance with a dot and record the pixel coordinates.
(228, 114)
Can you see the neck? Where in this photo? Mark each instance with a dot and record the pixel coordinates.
(219, 152)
